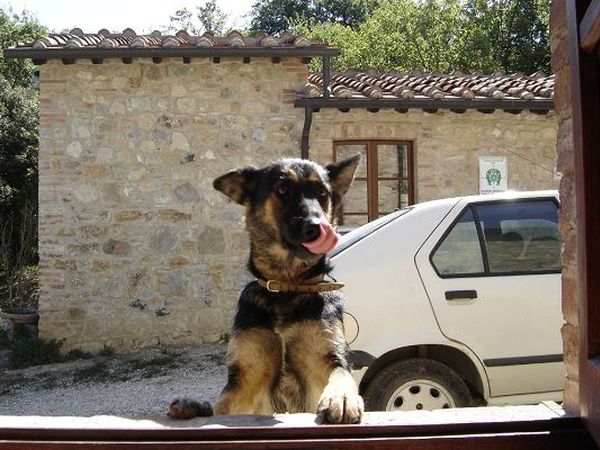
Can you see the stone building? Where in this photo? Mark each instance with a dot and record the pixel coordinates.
(137, 249)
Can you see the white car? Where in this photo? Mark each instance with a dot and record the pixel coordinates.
(456, 302)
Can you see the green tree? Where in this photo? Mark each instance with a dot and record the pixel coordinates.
(18, 113)
(207, 18)
(276, 16)
(443, 35)
(17, 28)
(18, 146)
(512, 33)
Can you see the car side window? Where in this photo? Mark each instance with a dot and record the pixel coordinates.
(521, 237)
(459, 253)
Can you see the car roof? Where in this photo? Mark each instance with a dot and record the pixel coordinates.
(506, 195)
(361, 232)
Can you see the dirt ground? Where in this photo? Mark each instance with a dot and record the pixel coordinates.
(137, 384)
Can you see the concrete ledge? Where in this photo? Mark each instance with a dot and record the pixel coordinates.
(485, 415)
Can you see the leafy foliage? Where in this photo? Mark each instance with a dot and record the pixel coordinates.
(18, 143)
(18, 166)
(513, 33)
(443, 35)
(26, 349)
(275, 16)
(17, 28)
(207, 18)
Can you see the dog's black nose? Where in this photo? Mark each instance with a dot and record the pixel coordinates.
(310, 230)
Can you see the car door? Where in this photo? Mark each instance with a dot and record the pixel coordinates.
(492, 274)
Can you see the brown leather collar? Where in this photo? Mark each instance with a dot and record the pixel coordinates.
(312, 285)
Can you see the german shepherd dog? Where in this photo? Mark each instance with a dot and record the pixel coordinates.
(287, 351)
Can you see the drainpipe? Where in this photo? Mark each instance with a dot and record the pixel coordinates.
(308, 113)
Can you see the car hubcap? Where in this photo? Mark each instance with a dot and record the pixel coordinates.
(420, 394)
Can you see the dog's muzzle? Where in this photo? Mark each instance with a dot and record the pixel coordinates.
(322, 238)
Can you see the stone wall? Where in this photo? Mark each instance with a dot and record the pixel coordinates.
(447, 145)
(136, 247)
(567, 213)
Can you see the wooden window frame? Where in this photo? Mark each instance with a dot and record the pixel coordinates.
(583, 20)
(372, 170)
(486, 428)
(533, 427)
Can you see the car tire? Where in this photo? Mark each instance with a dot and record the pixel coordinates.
(414, 384)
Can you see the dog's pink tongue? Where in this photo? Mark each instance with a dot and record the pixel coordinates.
(326, 241)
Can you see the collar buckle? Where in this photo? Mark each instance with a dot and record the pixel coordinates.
(271, 289)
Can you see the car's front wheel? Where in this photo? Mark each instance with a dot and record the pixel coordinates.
(414, 384)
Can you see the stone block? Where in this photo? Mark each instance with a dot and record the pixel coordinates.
(186, 193)
(116, 247)
(163, 240)
(211, 241)
(172, 215)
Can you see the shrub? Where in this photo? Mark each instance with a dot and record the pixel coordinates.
(29, 350)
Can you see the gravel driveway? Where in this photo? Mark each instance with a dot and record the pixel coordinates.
(138, 384)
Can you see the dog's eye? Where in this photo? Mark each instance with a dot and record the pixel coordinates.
(282, 190)
(323, 193)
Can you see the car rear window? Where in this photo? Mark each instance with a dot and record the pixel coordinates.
(356, 235)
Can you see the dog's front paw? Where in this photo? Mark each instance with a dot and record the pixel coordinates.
(184, 408)
(340, 407)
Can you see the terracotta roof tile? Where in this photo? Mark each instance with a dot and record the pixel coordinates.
(77, 44)
(156, 39)
(444, 87)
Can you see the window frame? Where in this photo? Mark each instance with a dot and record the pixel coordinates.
(529, 427)
(373, 179)
(583, 37)
(562, 432)
(482, 245)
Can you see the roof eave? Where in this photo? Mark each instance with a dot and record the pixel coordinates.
(429, 104)
(165, 52)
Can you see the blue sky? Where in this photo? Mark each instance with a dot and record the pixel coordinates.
(115, 15)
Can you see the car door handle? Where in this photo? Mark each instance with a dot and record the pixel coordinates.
(457, 295)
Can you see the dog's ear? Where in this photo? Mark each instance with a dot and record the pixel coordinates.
(342, 173)
(238, 185)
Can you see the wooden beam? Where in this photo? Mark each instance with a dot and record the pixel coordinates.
(165, 52)
(425, 103)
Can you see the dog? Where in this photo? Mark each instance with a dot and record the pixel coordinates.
(287, 351)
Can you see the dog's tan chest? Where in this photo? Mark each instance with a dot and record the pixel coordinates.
(305, 365)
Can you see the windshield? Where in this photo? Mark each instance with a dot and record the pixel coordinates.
(359, 233)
